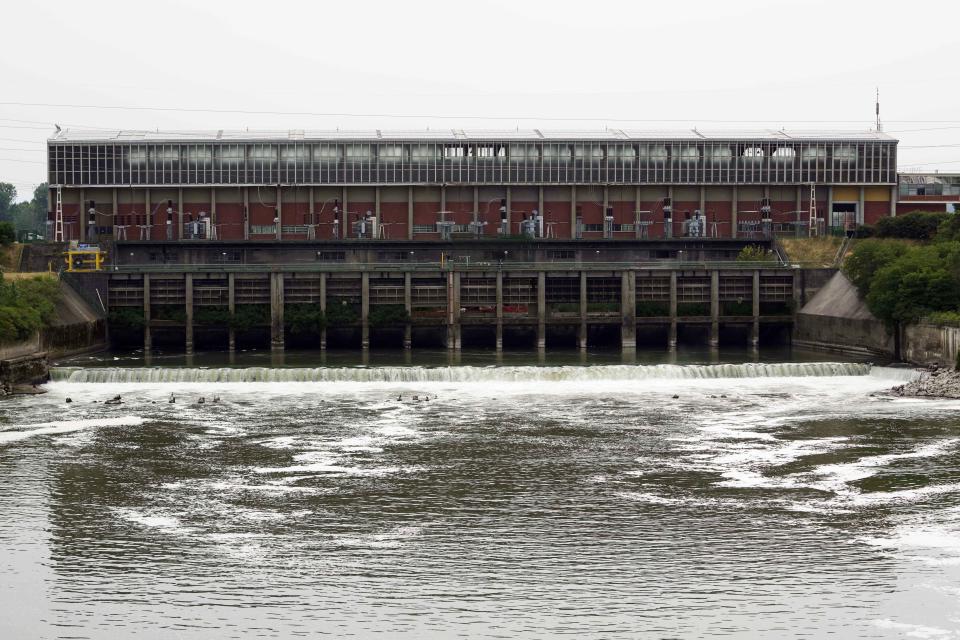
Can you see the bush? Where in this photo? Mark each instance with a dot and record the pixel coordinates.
(341, 313)
(755, 253)
(868, 257)
(126, 318)
(26, 306)
(304, 318)
(247, 316)
(949, 229)
(922, 281)
(7, 233)
(945, 318)
(649, 309)
(388, 315)
(918, 225)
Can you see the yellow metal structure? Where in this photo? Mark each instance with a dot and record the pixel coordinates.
(84, 259)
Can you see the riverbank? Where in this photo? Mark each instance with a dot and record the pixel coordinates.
(935, 383)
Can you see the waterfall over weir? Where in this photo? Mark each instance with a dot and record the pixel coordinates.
(466, 373)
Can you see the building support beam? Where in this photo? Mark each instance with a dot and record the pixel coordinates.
(828, 216)
(541, 311)
(365, 311)
(453, 310)
(148, 219)
(376, 231)
(147, 335)
(188, 299)
(607, 228)
(408, 306)
(499, 311)
(582, 329)
(232, 308)
(246, 213)
(755, 299)
(894, 194)
(114, 211)
(344, 217)
(861, 205)
(278, 214)
(672, 337)
(323, 308)
(178, 232)
(276, 311)
(83, 220)
(212, 233)
(714, 308)
(573, 211)
(628, 311)
(410, 213)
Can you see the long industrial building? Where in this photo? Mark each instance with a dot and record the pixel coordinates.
(453, 184)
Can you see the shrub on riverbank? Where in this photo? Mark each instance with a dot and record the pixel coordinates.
(26, 305)
(917, 225)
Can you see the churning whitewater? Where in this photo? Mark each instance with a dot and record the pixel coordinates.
(750, 500)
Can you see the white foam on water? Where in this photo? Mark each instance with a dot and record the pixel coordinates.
(153, 520)
(920, 631)
(14, 433)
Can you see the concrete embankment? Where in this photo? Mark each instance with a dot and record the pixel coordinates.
(76, 328)
(837, 319)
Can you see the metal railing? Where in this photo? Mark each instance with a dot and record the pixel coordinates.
(479, 266)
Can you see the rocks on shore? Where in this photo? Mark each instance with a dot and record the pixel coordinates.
(934, 383)
(21, 390)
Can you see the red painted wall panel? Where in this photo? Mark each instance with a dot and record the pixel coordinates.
(557, 212)
(393, 215)
(874, 211)
(907, 207)
(230, 221)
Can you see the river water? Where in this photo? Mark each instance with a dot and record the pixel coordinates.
(774, 498)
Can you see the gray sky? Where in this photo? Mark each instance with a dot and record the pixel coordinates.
(597, 63)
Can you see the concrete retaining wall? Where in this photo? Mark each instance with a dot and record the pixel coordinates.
(927, 344)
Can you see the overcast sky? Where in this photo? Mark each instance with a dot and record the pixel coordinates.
(484, 65)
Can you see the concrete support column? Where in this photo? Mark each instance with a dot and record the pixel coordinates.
(582, 330)
(408, 305)
(541, 310)
(278, 214)
(703, 200)
(409, 213)
(861, 206)
(246, 213)
(232, 307)
(573, 211)
(734, 209)
(149, 213)
(894, 195)
(672, 338)
(375, 232)
(828, 216)
(178, 232)
(543, 214)
(443, 202)
(714, 308)
(476, 205)
(628, 310)
(799, 209)
(213, 215)
(755, 298)
(509, 210)
(323, 308)
(115, 210)
(147, 336)
(668, 229)
(276, 311)
(344, 217)
(83, 220)
(188, 299)
(607, 232)
(453, 310)
(499, 311)
(365, 310)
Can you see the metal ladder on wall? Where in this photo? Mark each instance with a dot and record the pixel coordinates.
(813, 230)
(58, 218)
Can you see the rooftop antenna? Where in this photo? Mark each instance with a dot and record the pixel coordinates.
(879, 126)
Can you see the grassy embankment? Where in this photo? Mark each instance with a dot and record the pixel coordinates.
(27, 304)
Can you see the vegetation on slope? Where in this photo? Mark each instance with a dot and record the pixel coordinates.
(26, 305)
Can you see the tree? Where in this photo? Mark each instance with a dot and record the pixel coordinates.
(921, 281)
(8, 193)
(916, 225)
(868, 257)
(7, 234)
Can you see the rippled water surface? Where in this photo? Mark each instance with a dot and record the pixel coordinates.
(765, 501)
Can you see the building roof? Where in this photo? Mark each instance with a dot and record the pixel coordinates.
(460, 135)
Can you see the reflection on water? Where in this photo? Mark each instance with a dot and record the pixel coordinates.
(743, 507)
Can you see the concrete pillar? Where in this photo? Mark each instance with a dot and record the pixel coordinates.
(178, 232)
(410, 213)
(476, 205)
(147, 336)
(188, 300)
(323, 308)
(453, 310)
(541, 310)
(894, 195)
(582, 330)
(509, 210)
(278, 214)
(148, 218)
(84, 219)
(499, 311)
(232, 307)
(457, 329)
(375, 232)
(755, 298)
(543, 214)
(443, 202)
(703, 200)
(606, 203)
(246, 213)
(365, 310)
(213, 214)
(115, 211)
(733, 212)
(628, 310)
(276, 311)
(828, 220)
(672, 338)
(714, 308)
(573, 211)
(344, 218)
(861, 205)
(408, 305)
